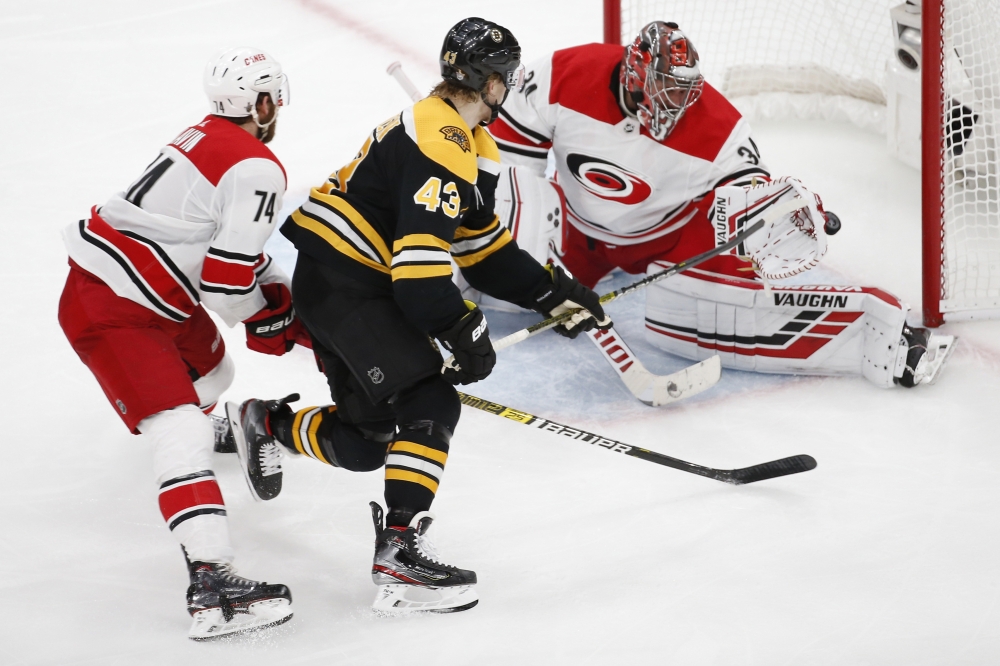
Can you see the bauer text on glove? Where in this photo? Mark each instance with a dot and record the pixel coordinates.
(566, 293)
(273, 330)
(469, 340)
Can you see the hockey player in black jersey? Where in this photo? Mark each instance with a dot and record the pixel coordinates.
(373, 285)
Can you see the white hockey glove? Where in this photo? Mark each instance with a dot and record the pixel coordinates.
(792, 242)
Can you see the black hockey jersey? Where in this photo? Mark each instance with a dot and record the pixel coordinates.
(418, 194)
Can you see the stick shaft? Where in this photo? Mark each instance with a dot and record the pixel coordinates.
(768, 470)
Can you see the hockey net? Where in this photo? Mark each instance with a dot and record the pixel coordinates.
(828, 59)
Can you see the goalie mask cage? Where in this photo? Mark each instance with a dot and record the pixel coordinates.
(828, 59)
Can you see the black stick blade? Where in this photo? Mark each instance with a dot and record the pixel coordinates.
(770, 470)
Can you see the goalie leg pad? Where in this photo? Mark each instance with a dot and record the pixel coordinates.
(533, 209)
(818, 330)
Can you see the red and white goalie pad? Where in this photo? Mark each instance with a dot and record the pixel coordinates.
(793, 239)
(533, 208)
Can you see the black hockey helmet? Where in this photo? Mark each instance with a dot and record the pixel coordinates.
(476, 48)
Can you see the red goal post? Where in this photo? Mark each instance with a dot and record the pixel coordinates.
(830, 59)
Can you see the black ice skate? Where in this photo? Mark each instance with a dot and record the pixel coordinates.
(224, 442)
(260, 453)
(925, 355)
(223, 603)
(410, 574)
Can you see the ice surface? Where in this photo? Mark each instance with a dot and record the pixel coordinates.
(885, 554)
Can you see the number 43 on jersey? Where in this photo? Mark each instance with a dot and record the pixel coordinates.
(429, 196)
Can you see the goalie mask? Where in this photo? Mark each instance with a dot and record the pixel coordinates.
(476, 48)
(660, 74)
(234, 78)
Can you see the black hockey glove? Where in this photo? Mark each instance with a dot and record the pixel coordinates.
(566, 293)
(469, 340)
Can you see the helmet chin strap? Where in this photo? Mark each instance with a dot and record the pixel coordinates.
(262, 127)
(494, 108)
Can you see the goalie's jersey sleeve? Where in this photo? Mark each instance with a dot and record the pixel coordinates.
(419, 193)
(622, 186)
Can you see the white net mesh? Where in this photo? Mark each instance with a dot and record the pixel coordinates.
(775, 58)
(971, 243)
(827, 59)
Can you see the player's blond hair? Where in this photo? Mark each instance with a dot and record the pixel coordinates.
(451, 90)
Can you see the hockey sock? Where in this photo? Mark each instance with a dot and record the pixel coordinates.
(319, 433)
(399, 516)
(428, 414)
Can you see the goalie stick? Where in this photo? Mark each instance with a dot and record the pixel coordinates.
(651, 389)
(551, 322)
(737, 477)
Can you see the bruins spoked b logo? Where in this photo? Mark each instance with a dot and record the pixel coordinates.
(496, 35)
(457, 135)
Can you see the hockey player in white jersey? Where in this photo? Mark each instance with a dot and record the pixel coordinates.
(186, 235)
(654, 166)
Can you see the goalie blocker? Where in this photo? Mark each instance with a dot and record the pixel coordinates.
(723, 307)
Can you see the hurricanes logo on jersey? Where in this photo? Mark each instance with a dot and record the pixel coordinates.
(456, 135)
(607, 180)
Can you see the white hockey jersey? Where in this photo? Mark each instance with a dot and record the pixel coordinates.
(622, 186)
(192, 228)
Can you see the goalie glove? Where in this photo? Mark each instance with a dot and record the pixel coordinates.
(274, 329)
(566, 293)
(792, 242)
(469, 340)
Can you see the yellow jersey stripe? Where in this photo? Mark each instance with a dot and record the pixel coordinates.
(402, 446)
(471, 259)
(419, 240)
(412, 477)
(336, 241)
(463, 232)
(358, 222)
(421, 271)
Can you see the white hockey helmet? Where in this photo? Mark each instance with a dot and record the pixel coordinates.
(235, 77)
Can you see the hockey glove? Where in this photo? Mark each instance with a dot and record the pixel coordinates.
(566, 293)
(274, 329)
(469, 340)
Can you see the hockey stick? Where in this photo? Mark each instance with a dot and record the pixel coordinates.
(396, 71)
(648, 388)
(679, 267)
(737, 477)
(651, 389)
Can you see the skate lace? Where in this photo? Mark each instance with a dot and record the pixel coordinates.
(270, 458)
(427, 550)
(227, 576)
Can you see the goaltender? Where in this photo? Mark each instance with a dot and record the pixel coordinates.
(373, 285)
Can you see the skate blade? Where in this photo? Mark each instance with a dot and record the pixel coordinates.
(399, 599)
(233, 412)
(209, 624)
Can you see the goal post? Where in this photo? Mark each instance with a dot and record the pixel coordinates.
(924, 72)
(932, 161)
